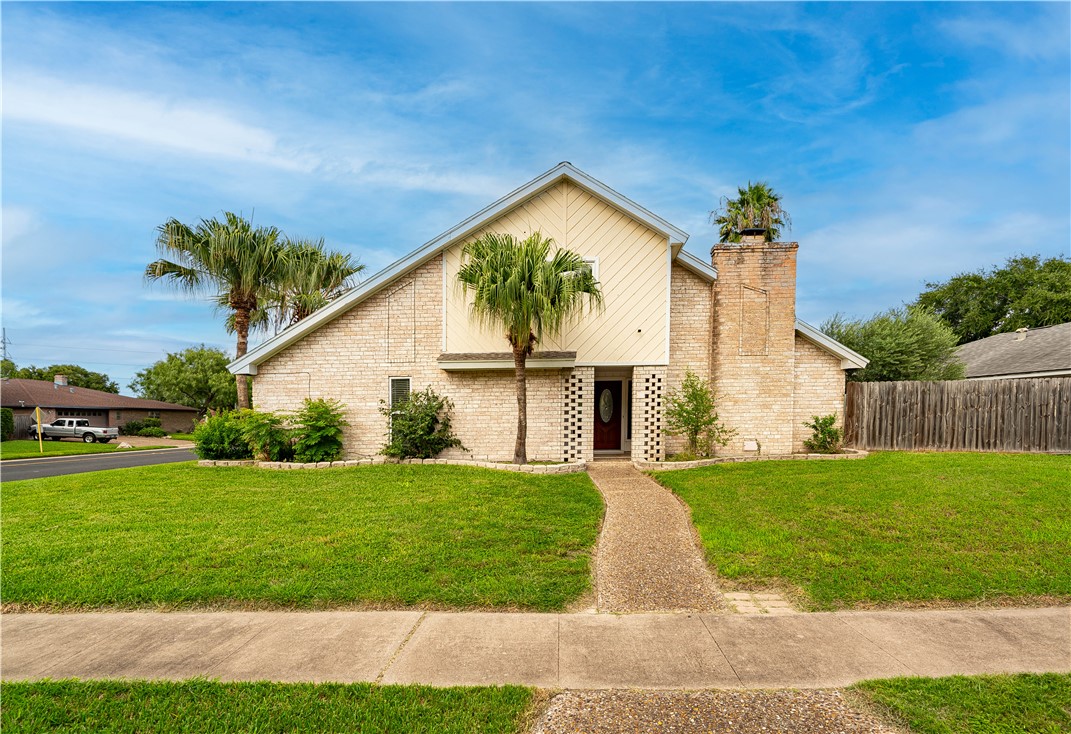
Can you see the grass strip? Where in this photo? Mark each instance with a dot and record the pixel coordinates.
(179, 535)
(209, 706)
(984, 704)
(29, 449)
(892, 528)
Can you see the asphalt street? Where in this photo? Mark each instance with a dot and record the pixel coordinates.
(55, 466)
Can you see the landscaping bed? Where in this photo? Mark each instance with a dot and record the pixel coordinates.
(181, 536)
(891, 529)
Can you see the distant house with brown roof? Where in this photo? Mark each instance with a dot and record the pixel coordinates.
(57, 399)
(1041, 352)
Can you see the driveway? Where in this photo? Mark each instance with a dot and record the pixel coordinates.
(54, 466)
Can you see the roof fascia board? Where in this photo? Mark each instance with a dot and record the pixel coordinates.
(697, 266)
(848, 358)
(1023, 375)
(247, 364)
(503, 364)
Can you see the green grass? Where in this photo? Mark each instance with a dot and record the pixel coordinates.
(986, 704)
(182, 436)
(207, 706)
(892, 528)
(395, 535)
(30, 449)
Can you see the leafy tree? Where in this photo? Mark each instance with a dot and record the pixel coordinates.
(236, 260)
(909, 343)
(7, 368)
(197, 377)
(76, 376)
(7, 423)
(519, 286)
(757, 206)
(1026, 292)
(690, 412)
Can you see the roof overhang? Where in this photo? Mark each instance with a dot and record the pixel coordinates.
(849, 360)
(504, 361)
(697, 266)
(247, 364)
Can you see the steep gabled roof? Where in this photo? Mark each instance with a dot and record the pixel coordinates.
(247, 365)
(1046, 349)
(18, 393)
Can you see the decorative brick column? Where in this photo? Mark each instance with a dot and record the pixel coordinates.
(648, 393)
(578, 435)
(754, 342)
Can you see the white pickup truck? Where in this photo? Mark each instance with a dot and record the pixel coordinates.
(74, 428)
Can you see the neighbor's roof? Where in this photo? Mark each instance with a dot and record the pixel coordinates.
(1036, 352)
(18, 393)
(565, 170)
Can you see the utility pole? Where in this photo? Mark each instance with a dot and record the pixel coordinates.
(4, 342)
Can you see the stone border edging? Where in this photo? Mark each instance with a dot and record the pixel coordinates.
(501, 466)
(675, 465)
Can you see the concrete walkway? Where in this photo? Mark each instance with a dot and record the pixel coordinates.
(575, 651)
(648, 558)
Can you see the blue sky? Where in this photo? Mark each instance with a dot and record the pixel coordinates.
(909, 141)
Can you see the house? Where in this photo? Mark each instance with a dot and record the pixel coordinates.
(57, 399)
(600, 386)
(1041, 352)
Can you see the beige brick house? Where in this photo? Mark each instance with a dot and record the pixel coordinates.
(599, 387)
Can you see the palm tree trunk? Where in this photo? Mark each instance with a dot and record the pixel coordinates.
(520, 451)
(241, 327)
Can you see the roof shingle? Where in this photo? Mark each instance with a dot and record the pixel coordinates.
(18, 393)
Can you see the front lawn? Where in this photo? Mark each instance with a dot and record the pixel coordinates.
(30, 449)
(1008, 704)
(180, 535)
(208, 706)
(895, 527)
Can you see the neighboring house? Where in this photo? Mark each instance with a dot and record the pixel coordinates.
(600, 386)
(57, 399)
(1041, 352)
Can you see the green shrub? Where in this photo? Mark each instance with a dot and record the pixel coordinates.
(825, 437)
(265, 435)
(7, 424)
(220, 437)
(151, 432)
(152, 423)
(690, 412)
(319, 431)
(420, 427)
(132, 428)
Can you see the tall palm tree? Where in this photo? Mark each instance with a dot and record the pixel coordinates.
(757, 206)
(520, 286)
(313, 278)
(232, 257)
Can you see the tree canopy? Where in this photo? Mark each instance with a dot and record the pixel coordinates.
(197, 377)
(1026, 292)
(76, 376)
(908, 343)
(519, 286)
(756, 206)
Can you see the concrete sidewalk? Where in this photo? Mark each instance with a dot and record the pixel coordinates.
(689, 651)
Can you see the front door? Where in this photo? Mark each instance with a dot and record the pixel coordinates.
(607, 415)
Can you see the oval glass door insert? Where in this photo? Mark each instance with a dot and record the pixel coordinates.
(606, 406)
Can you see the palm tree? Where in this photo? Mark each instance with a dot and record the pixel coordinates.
(756, 207)
(313, 278)
(233, 258)
(520, 286)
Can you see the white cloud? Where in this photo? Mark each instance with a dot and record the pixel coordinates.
(191, 126)
(1044, 36)
(24, 315)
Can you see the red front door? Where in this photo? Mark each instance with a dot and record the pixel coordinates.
(608, 415)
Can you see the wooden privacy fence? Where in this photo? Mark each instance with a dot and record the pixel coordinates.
(1032, 414)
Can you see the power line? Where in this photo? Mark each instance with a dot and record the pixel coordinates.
(93, 349)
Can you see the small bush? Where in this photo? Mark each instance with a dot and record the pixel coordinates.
(420, 427)
(265, 435)
(825, 437)
(319, 431)
(220, 437)
(132, 428)
(690, 412)
(152, 423)
(151, 432)
(7, 424)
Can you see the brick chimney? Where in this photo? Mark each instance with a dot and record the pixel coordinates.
(60, 380)
(754, 341)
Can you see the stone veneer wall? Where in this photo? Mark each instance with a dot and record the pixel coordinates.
(397, 332)
(754, 342)
(819, 388)
(690, 324)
